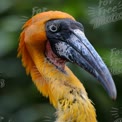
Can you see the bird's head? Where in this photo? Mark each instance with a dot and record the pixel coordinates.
(58, 37)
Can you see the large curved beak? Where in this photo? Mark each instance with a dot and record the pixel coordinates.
(79, 50)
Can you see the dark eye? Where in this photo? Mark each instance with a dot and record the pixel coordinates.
(53, 28)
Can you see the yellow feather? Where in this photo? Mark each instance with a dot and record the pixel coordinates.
(64, 90)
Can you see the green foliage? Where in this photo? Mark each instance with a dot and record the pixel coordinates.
(19, 99)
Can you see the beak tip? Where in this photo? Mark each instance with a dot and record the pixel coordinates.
(113, 95)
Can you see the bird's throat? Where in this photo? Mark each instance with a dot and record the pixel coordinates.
(53, 58)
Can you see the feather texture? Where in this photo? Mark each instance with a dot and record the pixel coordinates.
(64, 90)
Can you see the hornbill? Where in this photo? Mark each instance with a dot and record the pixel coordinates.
(49, 40)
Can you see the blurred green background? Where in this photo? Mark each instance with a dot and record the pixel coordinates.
(19, 99)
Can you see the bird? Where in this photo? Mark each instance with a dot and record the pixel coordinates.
(47, 42)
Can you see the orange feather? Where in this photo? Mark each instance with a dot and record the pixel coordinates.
(50, 81)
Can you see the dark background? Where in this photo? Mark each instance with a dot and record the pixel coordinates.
(19, 99)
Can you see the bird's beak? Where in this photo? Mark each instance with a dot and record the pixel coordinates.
(79, 50)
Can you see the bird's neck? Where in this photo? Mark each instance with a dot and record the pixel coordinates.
(64, 90)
